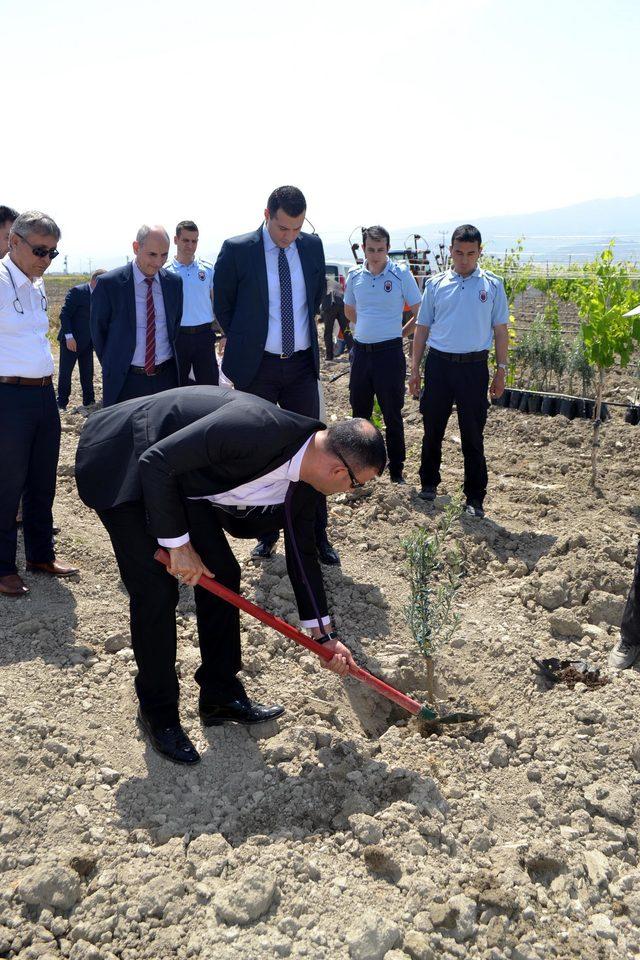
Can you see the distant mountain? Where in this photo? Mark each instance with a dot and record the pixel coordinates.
(577, 232)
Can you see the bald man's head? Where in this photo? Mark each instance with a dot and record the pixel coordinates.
(151, 248)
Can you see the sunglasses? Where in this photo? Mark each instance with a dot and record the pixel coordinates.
(355, 483)
(41, 252)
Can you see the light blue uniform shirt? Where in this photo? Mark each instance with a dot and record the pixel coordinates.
(379, 300)
(197, 284)
(461, 312)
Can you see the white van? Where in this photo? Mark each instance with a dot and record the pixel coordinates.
(338, 270)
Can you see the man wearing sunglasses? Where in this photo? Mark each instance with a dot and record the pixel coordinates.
(183, 469)
(29, 417)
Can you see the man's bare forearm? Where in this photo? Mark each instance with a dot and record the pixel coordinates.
(419, 342)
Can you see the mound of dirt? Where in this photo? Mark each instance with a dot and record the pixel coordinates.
(341, 831)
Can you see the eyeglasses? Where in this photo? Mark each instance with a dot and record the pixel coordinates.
(41, 252)
(355, 483)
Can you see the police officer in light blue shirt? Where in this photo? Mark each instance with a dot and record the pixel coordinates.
(462, 311)
(374, 300)
(195, 345)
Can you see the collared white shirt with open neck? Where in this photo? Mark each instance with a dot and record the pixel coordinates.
(25, 350)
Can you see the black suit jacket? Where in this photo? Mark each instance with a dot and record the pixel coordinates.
(74, 316)
(241, 300)
(113, 323)
(195, 442)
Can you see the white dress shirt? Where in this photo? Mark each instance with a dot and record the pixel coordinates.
(164, 350)
(298, 289)
(265, 491)
(24, 348)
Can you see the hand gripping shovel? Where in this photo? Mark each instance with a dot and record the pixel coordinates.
(412, 706)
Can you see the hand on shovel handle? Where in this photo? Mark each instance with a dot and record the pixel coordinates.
(185, 564)
(342, 662)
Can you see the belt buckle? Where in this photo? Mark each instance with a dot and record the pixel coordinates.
(285, 356)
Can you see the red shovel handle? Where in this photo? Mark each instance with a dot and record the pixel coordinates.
(297, 636)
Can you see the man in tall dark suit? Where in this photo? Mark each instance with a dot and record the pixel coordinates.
(180, 469)
(75, 342)
(267, 289)
(135, 319)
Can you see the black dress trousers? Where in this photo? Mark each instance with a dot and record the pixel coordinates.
(29, 449)
(630, 626)
(68, 360)
(153, 597)
(140, 385)
(379, 370)
(447, 382)
(292, 384)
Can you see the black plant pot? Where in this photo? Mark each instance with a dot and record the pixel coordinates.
(514, 399)
(549, 406)
(589, 407)
(502, 401)
(604, 413)
(534, 403)
(567, 408)
(524, 402)
(579, 408)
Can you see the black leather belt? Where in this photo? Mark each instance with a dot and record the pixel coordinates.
(287, 356)
(461, 357)
(198, 329)
(27, 381)
(159, 367)
(381, 345)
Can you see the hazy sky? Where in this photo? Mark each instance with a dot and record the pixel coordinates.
(402, 112)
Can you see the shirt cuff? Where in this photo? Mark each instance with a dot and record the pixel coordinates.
(68, 336)
(174, 541)
(325, 621)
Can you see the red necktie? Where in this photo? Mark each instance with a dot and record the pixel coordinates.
(150, 343)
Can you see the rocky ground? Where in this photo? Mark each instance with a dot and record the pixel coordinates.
(343, 831)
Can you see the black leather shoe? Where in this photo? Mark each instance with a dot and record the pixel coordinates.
(170, 742)
(238, 711)
(428, 494)
(264, 551)
(396, 476)
(328, 555)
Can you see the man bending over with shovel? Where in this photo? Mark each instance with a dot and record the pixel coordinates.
(179, 469)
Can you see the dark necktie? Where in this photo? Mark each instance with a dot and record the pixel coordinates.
(150, 342)
(286, 305)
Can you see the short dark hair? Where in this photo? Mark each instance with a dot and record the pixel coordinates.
(7, 214)
(375, 233)
(97, 273)
(466, 233)
(359, 442)
(287, 198)
(186, 225)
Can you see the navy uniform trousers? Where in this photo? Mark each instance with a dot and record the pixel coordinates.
(465, 382)
(379, 370)
(153, 597)
(196, 347)
(29, 449)
(292, 385)
(68, 360)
